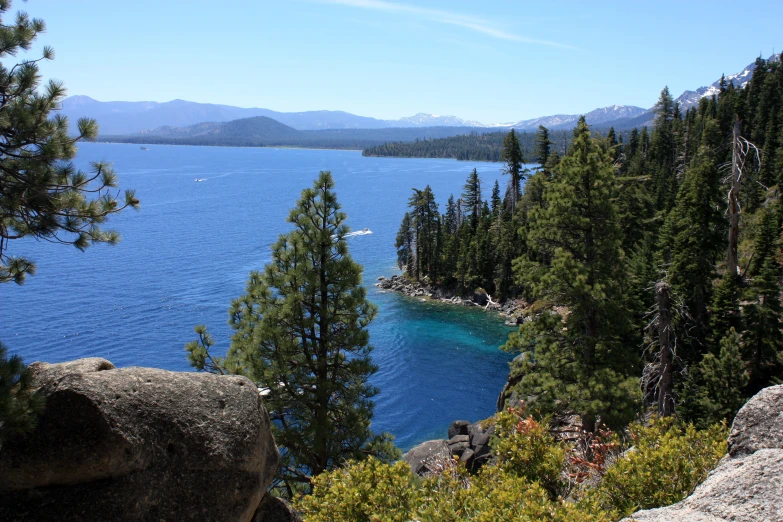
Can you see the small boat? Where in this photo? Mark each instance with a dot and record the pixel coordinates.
(144, 148)
(363, 232)
(199, 179)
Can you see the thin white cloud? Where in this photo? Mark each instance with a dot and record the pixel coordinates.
(446, 17)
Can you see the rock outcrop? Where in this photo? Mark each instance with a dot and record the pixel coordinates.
(510, 309)
(748, 484)
(139, 444)
(427, 457)
(273, 509)
(467, 442)
(508, 397)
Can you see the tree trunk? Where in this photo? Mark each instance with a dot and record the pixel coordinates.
(665, 385)
(588, 423)
(734, 207)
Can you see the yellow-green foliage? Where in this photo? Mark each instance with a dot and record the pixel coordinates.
(494, 495)
(363, 491)
(525, 448)
(667, 462)
(371, 491)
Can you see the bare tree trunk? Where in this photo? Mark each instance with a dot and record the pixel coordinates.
(665, 385)
(734, 206)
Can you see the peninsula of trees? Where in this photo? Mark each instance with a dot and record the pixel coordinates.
(467, 147)
(661, 254)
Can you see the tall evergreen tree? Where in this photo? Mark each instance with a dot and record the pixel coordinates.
(766, 244)
(406, 252)
(580, 362)
(724, 379)
(543, 145)
(663, 150)
(425, 223)
(694, 238)
(762, 340)
(471, 198)
(496, 200)
(301, 334)
(725, 311)
(514, 160)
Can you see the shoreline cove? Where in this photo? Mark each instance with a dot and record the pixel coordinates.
(510, 310)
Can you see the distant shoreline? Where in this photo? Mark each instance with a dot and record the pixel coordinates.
(221, 145)
(290, 147)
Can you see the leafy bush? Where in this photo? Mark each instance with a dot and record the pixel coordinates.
(369, 490)
(495, 494)
(667, 461)
(525, 448)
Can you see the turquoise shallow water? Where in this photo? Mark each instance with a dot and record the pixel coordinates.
(188, 252)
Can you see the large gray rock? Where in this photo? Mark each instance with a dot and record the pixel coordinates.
(458, 427)
(273, 509)
(748, 484)
(139, 444)
(759, 424)
(43, 372)
(428, 456)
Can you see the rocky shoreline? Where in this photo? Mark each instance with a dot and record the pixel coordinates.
(511, 309)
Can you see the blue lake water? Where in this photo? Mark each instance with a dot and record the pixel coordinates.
(188, 252)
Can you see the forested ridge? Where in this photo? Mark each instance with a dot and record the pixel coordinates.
(476, 146)
(661, 250)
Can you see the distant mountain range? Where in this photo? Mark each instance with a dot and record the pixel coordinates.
(200, 119)
(604, 117)
(261, 131)
(118, 117)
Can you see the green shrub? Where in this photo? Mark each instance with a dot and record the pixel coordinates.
(496, 495)
(525, 448)
(667, 461)
(369, 490)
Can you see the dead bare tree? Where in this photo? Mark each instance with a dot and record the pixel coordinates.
(658, 374)
(665, 386)
(742, 152)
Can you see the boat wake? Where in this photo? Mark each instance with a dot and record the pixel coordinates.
(364, 232)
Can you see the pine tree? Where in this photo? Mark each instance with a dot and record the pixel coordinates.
(42, 194)
(471, 198)
(762, 340)
(406, 258)
(514, 160)
(504, 242)
(613, 144)
(694, 235)
(301, 334)
(663, 150)
(767, 240)
(543, 145)
(19, 405)
(725, 311)
(580, 361)
(496, 200)
(425, 223)
(724, 379)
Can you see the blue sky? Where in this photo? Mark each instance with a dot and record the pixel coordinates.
(491, 61)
